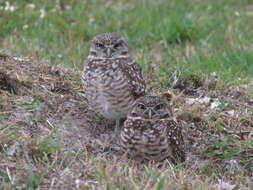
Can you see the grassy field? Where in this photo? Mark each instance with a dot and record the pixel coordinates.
(191, 36)
(199, 42)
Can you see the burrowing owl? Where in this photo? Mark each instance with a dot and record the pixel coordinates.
(111, 79)
(151, 133)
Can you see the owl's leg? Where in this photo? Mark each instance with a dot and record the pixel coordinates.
(117, 126)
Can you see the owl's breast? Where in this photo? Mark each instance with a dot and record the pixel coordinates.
(142, 138)
(107, 91)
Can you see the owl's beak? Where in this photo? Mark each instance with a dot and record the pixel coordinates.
(109, 52)
(150, 114)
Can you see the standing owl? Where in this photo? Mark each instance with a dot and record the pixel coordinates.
(151, 133)
(112, 80)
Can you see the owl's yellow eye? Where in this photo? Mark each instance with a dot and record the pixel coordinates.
(141, 106)
(100, 45)
(117, 45)
(159, 106)
(134, 115)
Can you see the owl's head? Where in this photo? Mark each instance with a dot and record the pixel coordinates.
(151, 107)
(108, 45)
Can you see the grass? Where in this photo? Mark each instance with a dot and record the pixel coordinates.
(194, 39)
(196, 36)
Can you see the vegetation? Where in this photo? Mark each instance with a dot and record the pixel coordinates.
(192, 36)
(50, 139)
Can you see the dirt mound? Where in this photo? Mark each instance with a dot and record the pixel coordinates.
(39, 97)
(43, 113)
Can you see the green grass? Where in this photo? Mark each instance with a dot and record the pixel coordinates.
(190, 36)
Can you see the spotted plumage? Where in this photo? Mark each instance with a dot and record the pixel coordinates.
(151, 133)
(112, 80)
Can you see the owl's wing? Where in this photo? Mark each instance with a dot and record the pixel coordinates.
(175, 138)
(133, 72)
(85, 73)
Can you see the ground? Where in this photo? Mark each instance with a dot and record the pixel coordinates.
(198, 53)
(49, 138)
